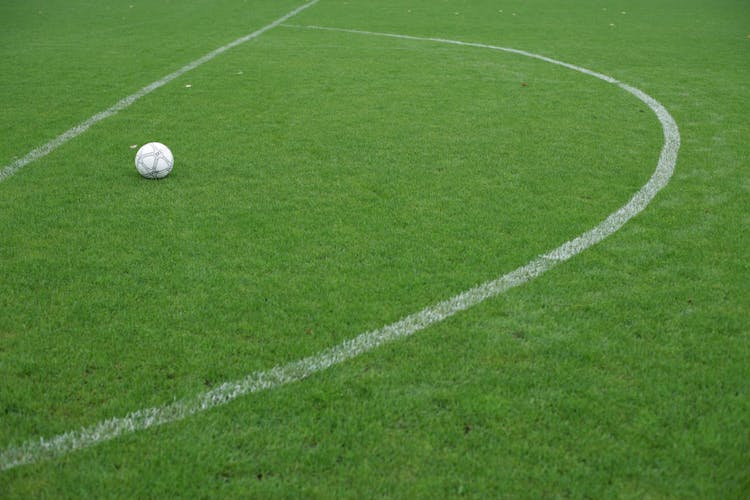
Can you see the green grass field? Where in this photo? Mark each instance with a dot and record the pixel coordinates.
(329, 183)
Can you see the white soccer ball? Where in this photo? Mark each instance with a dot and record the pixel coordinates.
(154, 160)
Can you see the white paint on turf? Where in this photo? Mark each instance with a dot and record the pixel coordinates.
(82, 127)
(41, 448)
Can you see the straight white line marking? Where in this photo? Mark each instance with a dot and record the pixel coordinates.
(82, 127)
(41, 448)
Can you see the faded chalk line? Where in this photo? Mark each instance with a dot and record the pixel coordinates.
(82, 127)
(46, 448)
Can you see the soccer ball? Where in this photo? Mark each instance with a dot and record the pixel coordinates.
(154, 160)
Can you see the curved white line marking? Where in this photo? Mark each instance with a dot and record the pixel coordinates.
(82, 127)
(41, 448)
